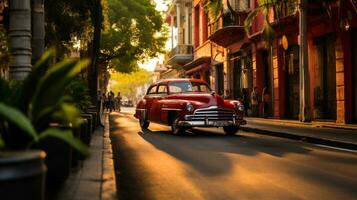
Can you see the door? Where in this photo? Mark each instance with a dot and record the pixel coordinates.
(237, 70)
(354, 73)
(150, 96)
(292, 90)
(219, 79)
(160, 115)
(325, 79)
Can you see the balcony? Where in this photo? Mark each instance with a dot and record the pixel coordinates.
(180, 55)
(285, 14)
(228, 28)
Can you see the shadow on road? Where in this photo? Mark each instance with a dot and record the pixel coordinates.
(207, 152)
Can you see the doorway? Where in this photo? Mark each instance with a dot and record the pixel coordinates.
(237, 70)
(219, 79)
(354, 74)
(292, 87)
(325, 78)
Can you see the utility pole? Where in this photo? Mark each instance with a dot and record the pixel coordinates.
(38, 29)
(20, 38)
(305, 115)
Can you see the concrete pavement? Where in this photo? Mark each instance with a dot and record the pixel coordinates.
(95, 179)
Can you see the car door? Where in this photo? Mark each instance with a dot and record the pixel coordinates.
(149, 98)
(157, 105)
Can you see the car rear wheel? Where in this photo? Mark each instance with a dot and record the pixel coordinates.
(231, 130)
(176, 128)
(144, 124)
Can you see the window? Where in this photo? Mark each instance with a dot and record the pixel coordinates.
(187, 86)
(152, 90)
(162, 89)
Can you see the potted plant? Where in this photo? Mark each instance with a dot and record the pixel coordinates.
(28, 112)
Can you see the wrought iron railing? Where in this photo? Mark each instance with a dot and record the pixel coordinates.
(227, 19)
(181, 49)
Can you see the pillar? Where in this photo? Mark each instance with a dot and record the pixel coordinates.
(178, 22)
(38, 30)
(187, 24)
(172, 31)
(20, 38)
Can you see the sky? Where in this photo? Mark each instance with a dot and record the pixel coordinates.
(150, 64)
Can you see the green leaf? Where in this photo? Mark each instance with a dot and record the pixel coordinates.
(17, 118)
(33, 78)
(66, 136)
(52, 86)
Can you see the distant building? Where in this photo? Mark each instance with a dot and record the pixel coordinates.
(179, 17)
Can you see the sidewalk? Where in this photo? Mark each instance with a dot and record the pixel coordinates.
(325, 133)
(95, 179)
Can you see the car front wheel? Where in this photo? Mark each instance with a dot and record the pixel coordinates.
(176, 129)
(231, 130)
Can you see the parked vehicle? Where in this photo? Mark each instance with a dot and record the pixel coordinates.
(187, 103)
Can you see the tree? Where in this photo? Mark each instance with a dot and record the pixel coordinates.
(136, 33)
(127, 83)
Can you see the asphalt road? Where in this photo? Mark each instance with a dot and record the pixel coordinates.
(206, 164)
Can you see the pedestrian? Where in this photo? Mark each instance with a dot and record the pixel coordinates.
(110, 101)
(118, 101)
(254, 101)
(265, 102)
(245, 101)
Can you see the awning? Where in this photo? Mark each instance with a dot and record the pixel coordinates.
(197, 62)
(202, 67)
(228, 35)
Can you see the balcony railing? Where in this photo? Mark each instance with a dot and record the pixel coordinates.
(227, 19)
(181, 50)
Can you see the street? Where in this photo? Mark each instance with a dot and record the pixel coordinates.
(206, 164)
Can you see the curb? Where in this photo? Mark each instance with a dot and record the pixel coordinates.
(108, 187)
(307, 139)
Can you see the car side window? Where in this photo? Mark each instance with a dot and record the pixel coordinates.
(152, 90)
(162, 89)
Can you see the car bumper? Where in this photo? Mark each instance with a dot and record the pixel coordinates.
(212, 123)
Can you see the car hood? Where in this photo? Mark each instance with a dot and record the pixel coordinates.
(201, 99)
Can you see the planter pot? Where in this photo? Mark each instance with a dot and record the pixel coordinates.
(75, 153)
(22, 175)
(95, 118)
(89, 118)
(58, 160)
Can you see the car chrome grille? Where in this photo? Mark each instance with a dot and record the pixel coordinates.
(212, 114)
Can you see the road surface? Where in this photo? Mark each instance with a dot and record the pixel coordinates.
(206, 164)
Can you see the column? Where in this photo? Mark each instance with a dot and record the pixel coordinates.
(305, 115)
(178, 22)
(172, 31)
(38, 29)
(187, 24)
(20, 38)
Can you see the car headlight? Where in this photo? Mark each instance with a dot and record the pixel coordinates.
(189, 107)
(240, 107)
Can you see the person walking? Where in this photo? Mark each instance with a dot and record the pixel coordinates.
(118, 102)
(254, 101)
(110, 101)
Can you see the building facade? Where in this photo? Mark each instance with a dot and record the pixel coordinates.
(234, 63)
(179, 17)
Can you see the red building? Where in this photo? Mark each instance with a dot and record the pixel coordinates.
(230, 60)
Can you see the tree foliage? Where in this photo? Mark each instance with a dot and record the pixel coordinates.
(135, 33)
(127, 83)
(67, 19)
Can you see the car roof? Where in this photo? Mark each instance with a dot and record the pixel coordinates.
(179, 79)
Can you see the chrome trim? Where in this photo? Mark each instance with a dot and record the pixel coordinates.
(217, 123)
(141, 109)
(174, 109)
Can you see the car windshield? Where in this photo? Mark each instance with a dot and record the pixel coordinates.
(188, 86)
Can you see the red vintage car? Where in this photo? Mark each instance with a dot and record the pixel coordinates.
(186, 103)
